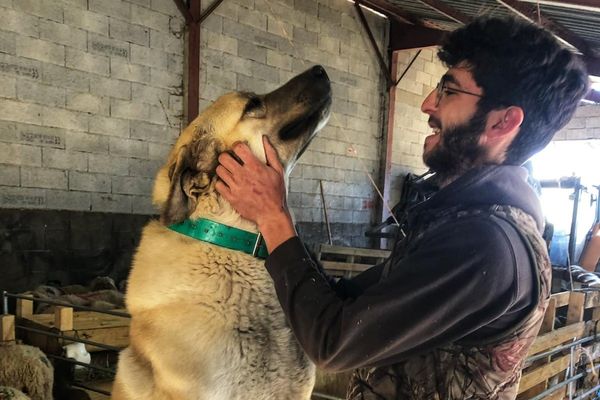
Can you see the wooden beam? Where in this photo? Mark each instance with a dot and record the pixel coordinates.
(586, 5)
(193, 90)
(447, 11)
(7, 328)
(391, 10)
(405, 37)
(530, 12)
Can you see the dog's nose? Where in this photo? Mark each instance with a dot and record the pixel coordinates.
(319, 72)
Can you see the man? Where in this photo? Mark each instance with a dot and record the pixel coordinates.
(454, 310)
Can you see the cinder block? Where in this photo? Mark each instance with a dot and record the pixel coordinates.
(65, 160)
(221, 42)
(42, 8)
(131, 185)
(309, 7)
(149, 18)
(110, 203)
(165, 79)
(43, 178)
(123, 70)
(65, 77)
(175, 63)
(34, 92)
(18, 22)
(221, 78)
(40, 50)
(156, 133)
(144, 168)
(19, 197)
(163, 116)
(167, 42)
(112, 8)
(145, 3)
(8, 86)
(165, 7)
(158, 151)
(83, 141)
(284, 12)
(108, 164)
(89, 103)
(109, 47)
(149, 94)
(304, 37)
(252, 51)
(11, 110)
(61, 118)
(127, 32)
(88, 62)
(86, 20)
(129, 109)
(31, 134)
(130, 148)
(156, 58)
(8, 42)
(279, 27)
(87, 182)
(143, 205)
(68, 200)
(10, 175)
(592, 122)
(109, 126)
(111, 87)
(255, 19)
(280, 61)
(63, 34)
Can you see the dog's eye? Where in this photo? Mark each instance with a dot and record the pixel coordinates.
(255, 108)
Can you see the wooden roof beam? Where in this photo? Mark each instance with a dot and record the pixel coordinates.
(586, 5)
(447, 11)
(530, 12)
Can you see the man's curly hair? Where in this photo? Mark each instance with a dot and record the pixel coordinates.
(517, 63)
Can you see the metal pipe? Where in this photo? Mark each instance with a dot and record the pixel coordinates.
(325, 396)
(561, 384)
(573, 231)
(65, 304)
(559, 349)
(586, 394)
(69, 338)
(384, 68)
(4, 302)
(325, 212)
(73, 361)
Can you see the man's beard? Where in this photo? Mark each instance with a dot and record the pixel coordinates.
(458, 149)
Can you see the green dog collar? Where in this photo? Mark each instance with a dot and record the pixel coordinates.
(223, 235)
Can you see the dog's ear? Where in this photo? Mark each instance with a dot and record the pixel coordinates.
(190, 177)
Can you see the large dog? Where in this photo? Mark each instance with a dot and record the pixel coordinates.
(206, 323)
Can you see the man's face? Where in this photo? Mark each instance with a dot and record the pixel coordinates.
(457, 125)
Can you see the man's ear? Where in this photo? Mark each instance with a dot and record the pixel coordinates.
(505, 121)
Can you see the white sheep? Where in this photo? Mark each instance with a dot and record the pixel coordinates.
(8, 393)
(27, 369)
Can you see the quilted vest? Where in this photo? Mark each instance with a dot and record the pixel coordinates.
(488, 370)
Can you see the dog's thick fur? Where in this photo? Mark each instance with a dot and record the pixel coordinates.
(206, 323)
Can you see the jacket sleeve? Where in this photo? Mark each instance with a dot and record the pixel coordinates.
(455, 282)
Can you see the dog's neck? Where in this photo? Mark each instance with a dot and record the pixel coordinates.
(217, 209)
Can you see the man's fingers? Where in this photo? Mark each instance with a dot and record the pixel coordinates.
(225, 175)
(272, 157)
(228, 162)
(245, 154)
(223, 190)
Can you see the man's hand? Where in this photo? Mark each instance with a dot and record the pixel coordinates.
(257, 191)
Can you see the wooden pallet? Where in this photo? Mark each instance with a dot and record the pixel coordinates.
(543, 374)
(340, 261)
(96, 327)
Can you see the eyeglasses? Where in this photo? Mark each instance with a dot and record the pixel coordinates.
(441, 89)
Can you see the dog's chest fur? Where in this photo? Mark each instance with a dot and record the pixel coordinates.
(215, 313)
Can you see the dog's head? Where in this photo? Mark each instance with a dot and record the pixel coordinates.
(290, 116)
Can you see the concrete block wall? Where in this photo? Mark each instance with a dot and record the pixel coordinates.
(410, 124)
(257, 45)
(584, 125)
(90, 100)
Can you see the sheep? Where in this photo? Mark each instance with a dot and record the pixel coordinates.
(26, 368)
(8, 393)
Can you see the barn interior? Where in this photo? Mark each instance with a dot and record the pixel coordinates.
(93, 94)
